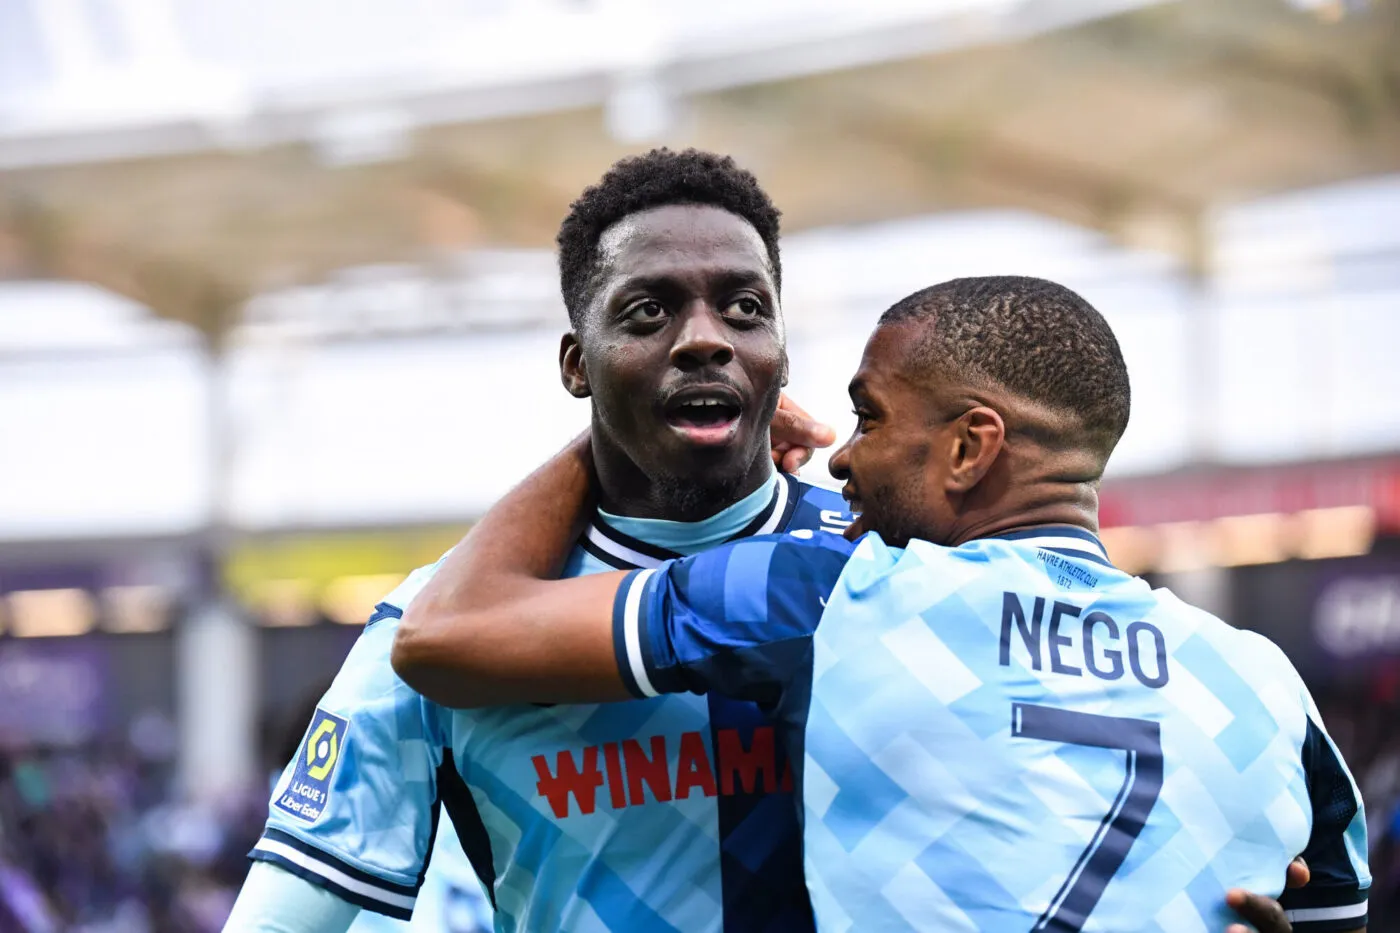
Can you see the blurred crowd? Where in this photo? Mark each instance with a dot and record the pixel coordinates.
(95, 841)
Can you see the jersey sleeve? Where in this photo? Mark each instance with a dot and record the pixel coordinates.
(355, 811)
(1335, 898)
(273, 901)
(737, 620)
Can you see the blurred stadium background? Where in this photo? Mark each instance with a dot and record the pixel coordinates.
(279, 318)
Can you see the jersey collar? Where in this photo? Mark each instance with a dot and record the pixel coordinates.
(1062, 539)
(765, 515)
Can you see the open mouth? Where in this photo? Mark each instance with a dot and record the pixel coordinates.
(705, 416)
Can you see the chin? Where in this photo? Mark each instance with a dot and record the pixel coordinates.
(894, 534)
(702, 491)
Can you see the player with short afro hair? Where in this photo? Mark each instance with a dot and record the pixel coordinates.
(658, 178)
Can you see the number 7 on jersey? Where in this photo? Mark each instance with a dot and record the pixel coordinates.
(1142, 741)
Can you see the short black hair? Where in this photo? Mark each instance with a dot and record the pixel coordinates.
(658, 178)
(1032, 336)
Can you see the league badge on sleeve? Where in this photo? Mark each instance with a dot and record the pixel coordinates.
(305, 796)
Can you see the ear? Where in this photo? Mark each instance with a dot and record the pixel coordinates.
(978, 437)
(572, 372)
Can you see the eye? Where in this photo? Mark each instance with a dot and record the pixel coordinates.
(863, 419)
(744, 308)
(646, 311)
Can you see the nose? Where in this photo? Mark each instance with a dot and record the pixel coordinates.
(703, 341)
(840, 463)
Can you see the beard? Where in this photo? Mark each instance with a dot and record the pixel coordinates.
(893, 530)
(895, 512)
(692, 498)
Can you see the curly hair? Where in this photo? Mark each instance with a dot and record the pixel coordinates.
(658, 178)
(1032, 336)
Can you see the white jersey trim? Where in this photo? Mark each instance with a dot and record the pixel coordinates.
(632, 632)
(1314, 914)
(334, 875)
(770, 525)
(621, 551)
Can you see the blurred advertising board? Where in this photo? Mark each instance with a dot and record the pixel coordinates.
(291, 581)
(119, 590)
(52, 691)
(85, 639)
(1213, 493)
(1338, 620)
(1356, 611)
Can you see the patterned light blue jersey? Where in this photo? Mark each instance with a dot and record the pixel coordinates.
(1011, 735)
(664, 814)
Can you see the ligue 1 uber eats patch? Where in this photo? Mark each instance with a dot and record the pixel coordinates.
(305, 796)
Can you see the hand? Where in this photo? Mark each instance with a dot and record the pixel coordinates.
(1265, 913)
(796, 435)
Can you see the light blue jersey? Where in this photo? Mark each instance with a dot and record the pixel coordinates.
(666, 814)
(1011, 735)
(450, 900)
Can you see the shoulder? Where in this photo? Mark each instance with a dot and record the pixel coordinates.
(816, 508)
(367, 683)
(1236, 644)
(1244, 668)
(393, 605)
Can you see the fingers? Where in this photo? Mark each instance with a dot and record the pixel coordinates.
(796, 435)
(790, 459)
(785, 403)
(1266, 914)
(796, 459)
(1298, 873)
(793, 424)
(798, 429)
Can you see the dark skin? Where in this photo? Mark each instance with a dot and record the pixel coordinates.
(961, 461)
(949, 461)
(685, 308)
(684, 302)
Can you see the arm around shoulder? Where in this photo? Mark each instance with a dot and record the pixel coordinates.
(495, 626)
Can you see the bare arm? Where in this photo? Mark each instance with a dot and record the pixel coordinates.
(493, 626)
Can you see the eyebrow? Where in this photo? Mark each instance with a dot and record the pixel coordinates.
(738, 278)
(725, 280)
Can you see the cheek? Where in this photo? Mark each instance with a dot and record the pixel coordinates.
(764, 361)
(871, 465)
(900, 472)
(617, 379)
(621, 365)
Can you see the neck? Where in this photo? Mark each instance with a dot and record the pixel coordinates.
(1047, 503)
(1032, 485)
(624, 489)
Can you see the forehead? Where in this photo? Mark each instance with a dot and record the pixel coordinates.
(886, 354)
(680, 240)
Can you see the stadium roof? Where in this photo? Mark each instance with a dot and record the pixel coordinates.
(190, 154)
